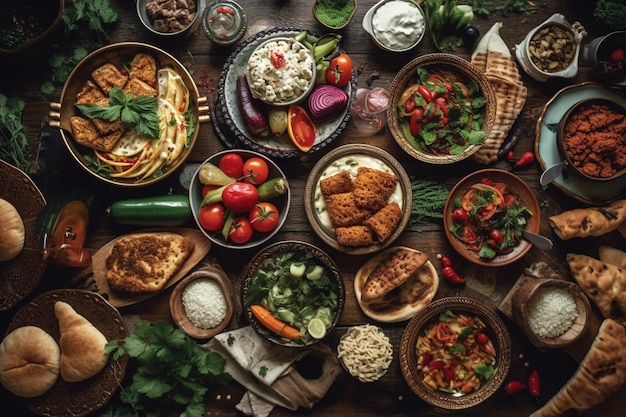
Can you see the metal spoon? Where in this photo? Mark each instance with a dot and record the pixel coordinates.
(541, 242)
(551, 173)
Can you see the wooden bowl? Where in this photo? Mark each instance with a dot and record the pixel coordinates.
(254, 289)
(518, 188)
(496, 331)
(577, 167)
(178, 311)
(46, 15)
(451, 67)
(119, 54)
(282, 202)
(343, 158)
(321, 21)
(522, 302)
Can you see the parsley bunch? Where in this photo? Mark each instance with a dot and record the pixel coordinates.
(14, 143)
(139, 112)
(172, 371)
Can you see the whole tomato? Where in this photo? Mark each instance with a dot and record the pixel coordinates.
(255, 170)
(231, 164)
(241, 231)
(264, 217)
(240, 197)
(339, 71)
(212, 217)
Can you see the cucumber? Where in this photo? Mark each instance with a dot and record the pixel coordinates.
(167, 210)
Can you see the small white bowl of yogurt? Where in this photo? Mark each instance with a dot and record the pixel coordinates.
(395, 25)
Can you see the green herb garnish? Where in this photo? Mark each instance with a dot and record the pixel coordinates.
(14, 143)
(139, 113)
(172, 369)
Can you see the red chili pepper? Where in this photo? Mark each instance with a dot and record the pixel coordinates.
(513, 387)
(510, 156)
(527, 158)
(534, 383)
(451, 276)
(445, 261)
(425, 93)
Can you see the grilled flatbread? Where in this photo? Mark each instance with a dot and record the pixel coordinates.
(145, 262)
(604, 284)
(404, 301)
(82, 344)
(492, 56)
(601, 373)
(589, 221)
(392, 272)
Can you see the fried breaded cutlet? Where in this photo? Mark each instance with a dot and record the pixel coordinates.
(144, 67)
(343, 211)
(385, 220)
(335, 184)
(86, 133)
(107, 77)
(373, 187)
(90, 94)
(358, 235)
(139, 88)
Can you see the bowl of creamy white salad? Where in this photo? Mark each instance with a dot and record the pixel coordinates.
(281, 71)
(395, 25)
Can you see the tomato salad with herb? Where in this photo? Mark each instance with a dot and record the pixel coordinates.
(455, 354)
(489, 218)
(440, 114)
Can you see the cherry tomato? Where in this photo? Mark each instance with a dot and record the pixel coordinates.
(496, 235)
(231, 164)
(212, 217)
(618, 55)
(208, 187)
(264, 217)
(339, 71)
(240, 197)
(459, 215)
(255, 170)
(241, 231)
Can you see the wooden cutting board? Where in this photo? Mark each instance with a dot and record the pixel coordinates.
(93, 277)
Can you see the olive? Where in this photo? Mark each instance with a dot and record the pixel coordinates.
(470, 35)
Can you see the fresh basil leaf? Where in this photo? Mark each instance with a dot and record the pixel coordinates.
(97, 111)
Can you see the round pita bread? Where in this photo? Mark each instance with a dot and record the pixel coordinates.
(29, 361)
(403, 302)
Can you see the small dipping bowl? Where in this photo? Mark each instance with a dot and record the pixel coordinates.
(151, 25)
(395, 25)
(598, 54)
(217, 280)
(224, 22)
(563, 44)
(544, 297)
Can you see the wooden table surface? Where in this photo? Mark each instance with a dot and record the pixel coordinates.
(391, 395)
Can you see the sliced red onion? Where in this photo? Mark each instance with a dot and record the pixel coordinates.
(326, 101)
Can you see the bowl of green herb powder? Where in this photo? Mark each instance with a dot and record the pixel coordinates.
(334, 14)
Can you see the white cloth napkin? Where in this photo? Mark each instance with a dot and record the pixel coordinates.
(266, 370)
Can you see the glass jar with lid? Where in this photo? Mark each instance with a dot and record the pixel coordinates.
(224, 22)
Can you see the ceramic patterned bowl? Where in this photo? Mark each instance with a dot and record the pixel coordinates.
(157, 21)
(417, 138)
(466, 313)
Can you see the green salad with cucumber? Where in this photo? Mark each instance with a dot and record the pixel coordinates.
(297, 289)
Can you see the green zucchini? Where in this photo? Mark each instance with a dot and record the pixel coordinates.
(167, 210)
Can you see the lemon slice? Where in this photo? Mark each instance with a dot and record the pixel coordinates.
(316, 328)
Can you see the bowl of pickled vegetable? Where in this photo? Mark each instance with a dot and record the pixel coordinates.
(485, 216)
(456, 353)
(442, 108)
(239, 198)
(293, 293)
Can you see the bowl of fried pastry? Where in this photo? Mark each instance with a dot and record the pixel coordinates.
(129, 114)
(358, 199)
